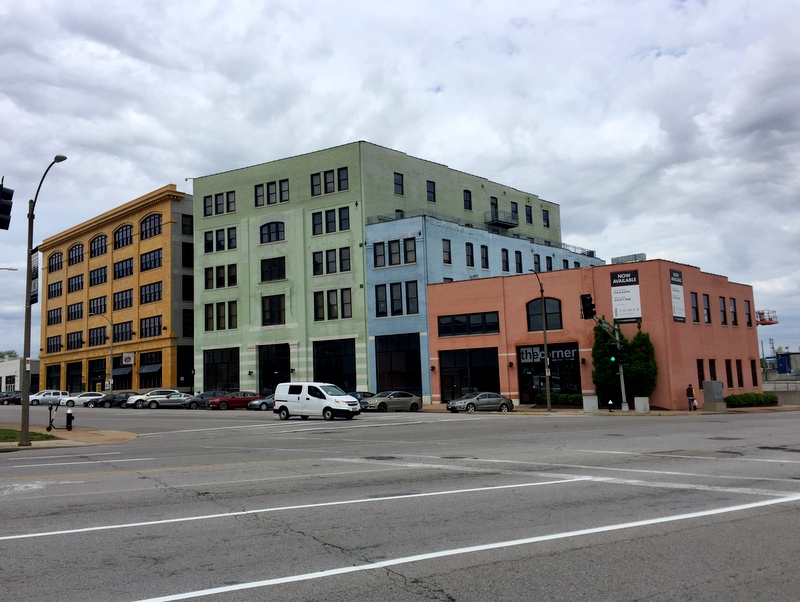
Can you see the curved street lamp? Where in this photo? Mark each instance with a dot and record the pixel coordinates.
(544, 340)
(24, 431)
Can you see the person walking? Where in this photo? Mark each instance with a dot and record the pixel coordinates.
(690, 397)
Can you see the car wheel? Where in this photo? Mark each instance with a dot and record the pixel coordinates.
(5, 402)
(503, 408)
(90, 404)
(382, 407)
(106, 404)
(34, 402)
(414, 407)
(193, 405)
(263, 406)
(70, 404)
(153, 405)
(223, 405)
(470, 408)
(283, 414)
(139, 404)
(327, 414)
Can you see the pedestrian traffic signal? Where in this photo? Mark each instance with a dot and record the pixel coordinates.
(6, 194)
(587, 307)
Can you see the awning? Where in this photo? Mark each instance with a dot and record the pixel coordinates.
(148, 369)
(121, 371)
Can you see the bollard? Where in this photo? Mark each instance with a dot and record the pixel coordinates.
(70, 418)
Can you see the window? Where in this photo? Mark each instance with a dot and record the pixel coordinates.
(346, 303)
(273, 310)
(518, 261)
(231, 238)
(150, 226)
(504, 260)
(333, 305)
(208, 206)
(233, 314)
(74, 340)
(468, 200)
(545, 218)
(707, 312)
(485, 257)
(398, 183)
(54, 345)
(330, 221)
(528, 214)
(446, 257)
(739, 374)
(54, 317)
(394, 252)
(75, 284)
(465, 324)
(316, 184)
(712, 369)
(150, 293)
(344, 259)
(379, 254)
(272, 232)
(187, 288)
(754, 372)
(187, 224)
(219, 236)
(98, 245)
(552, 313)
(258, 194)
(319, 306)
(316, 263)
(273, 269)
(123, 268)
(230, 201)
(565, 264)
(75, 254)
(343, 177)
(98, 276)
(150, 260)
(284, 188)
(409, 250)
(723, 312)
(330, 182)
(576, 264)
(123, 299)
(514, 211)
(221, 316)
(150, 327)
(209, 317)
(188, 322)
(537, 263)
(695, 308)
(220, 278)
(548, 263)
(470, 255)
(208, 242)
(187, 255)
(396, 291)
(729, 373)
(209, 278)
(344, 218)
(97, 336)
(412, 298)
(316, 223)
(74, 311)
(748, 317)
(219, 203)
(55, 262)
(330, 261)
(380, 300)
(272, 193)
(123, 236)
(734, 318)
(701, 373)
(431, 188)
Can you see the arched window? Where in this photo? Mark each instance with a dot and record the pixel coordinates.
(272, 232)
(123, 236)
(150, 226)
(552, 311)
(75, 254)
(55, 262)
(98, 245)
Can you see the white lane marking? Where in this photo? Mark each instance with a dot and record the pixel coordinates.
(468, 550)
(31, 459)
(685, 456)
(82, 462)
(371, 500)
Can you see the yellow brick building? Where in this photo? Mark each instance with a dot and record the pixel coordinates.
(120, 286)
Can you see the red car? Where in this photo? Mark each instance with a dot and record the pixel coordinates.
(8, 397)
(238, 400)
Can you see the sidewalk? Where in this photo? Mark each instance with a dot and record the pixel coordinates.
(74, 438)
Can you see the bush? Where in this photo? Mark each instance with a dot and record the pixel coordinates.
(751, 400)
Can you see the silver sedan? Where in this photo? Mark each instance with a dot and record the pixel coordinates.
(394, 401)
(493, 402)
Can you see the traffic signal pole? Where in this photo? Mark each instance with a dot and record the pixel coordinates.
(613, 332)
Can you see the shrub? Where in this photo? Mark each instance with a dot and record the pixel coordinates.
(751, 400)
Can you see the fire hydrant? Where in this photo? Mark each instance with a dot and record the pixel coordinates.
(610, 406)
(70, 418)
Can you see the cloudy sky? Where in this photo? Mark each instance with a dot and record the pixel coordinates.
(664, 127)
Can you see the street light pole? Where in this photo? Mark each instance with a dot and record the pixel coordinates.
(110, 352)
(24, 431)
(544, 340)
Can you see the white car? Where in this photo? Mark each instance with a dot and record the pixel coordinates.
(48, 397)
(74, 400)
(151, 399)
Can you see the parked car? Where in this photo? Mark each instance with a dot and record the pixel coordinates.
(395, 401)
(173, 400)
(79, 398)
(262, 404)
(362, 397)
(110, 400)
(48, 397)
(201, 400)
(150, 399)
(9, 397)
(236, 401)
(471, 402)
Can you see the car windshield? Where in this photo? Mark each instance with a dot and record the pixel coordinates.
(332, 390)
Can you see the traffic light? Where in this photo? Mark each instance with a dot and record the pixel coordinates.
(6, 194)
(616, 354)
(587, 307)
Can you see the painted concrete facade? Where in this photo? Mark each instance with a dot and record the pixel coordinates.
(11, 369)
(691, 343)
(153, 271)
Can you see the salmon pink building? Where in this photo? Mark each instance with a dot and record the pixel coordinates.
(486, 334)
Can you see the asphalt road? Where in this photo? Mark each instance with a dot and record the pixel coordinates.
(240, 506)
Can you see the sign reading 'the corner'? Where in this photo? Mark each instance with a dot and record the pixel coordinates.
(625, 299)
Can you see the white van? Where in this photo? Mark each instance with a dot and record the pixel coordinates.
(314, 399)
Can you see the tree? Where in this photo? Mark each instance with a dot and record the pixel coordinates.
(641, 370)
(605, 374)
(8, 354)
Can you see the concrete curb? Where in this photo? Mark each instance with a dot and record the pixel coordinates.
(75, 438)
